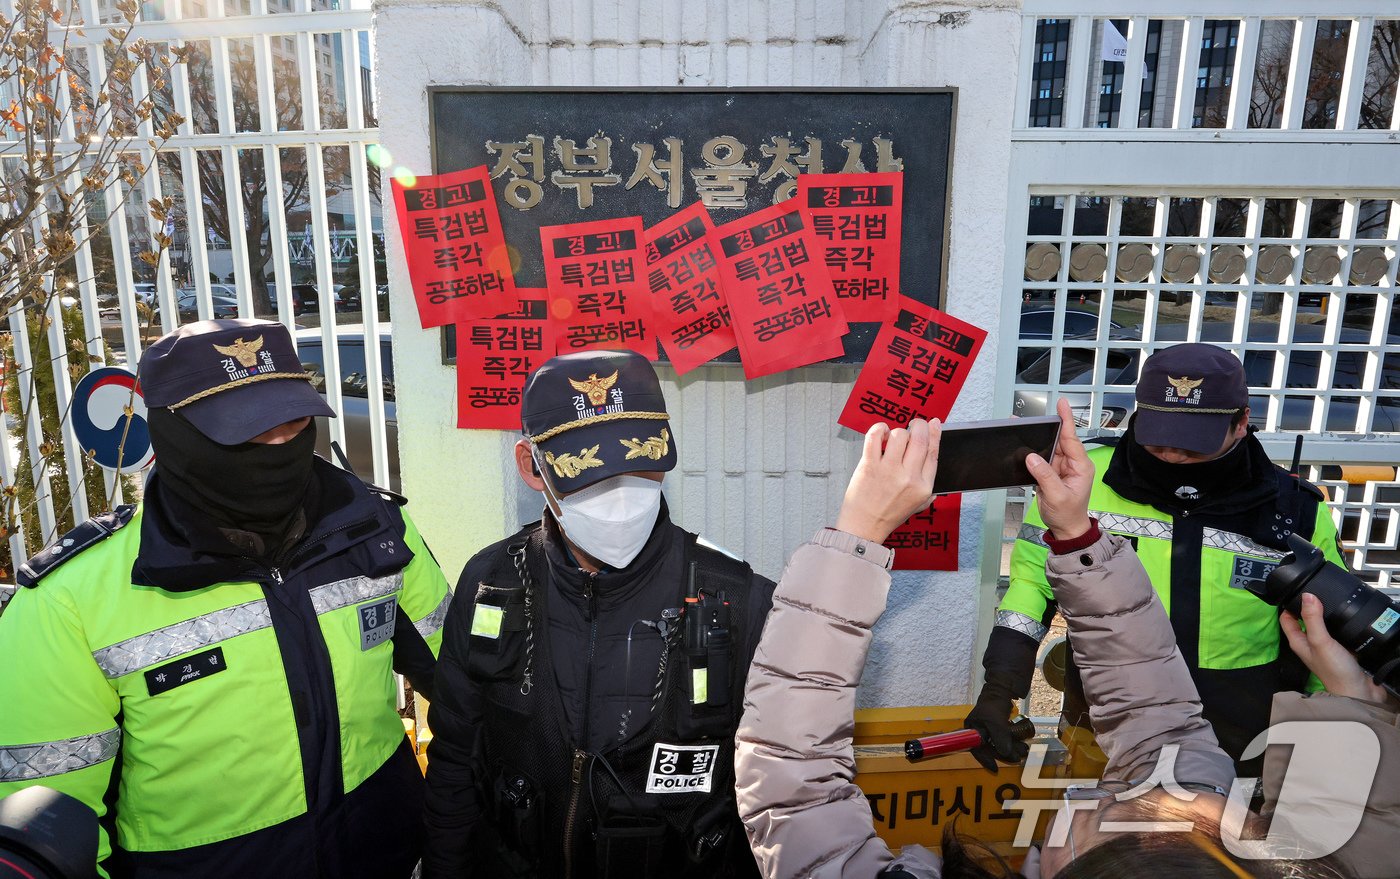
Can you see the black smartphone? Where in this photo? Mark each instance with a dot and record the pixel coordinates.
(983, 455)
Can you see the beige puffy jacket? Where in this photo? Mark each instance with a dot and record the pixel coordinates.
(805, 816)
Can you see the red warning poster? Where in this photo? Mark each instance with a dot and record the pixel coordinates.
(691, 315)
(596, 296)
(915, 368)
(857, 219)
(494, 356)
(783, 308)
(929, 540)
(456, 250)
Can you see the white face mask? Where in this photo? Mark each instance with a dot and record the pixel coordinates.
(611, 520)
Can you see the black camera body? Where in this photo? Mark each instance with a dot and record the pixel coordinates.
(1360, 617)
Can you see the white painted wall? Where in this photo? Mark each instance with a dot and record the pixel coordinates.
(762, 464)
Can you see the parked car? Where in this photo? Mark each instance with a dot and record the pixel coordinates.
(224, 305)
(1039, 323)
(306, 299)
(1123, 364)
(354, 391)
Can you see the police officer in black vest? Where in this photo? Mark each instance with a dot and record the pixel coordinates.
(593, 664)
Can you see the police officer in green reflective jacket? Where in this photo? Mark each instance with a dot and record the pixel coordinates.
(1208, 514)
(213, 670)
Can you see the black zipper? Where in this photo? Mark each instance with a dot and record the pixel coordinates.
(580, 755)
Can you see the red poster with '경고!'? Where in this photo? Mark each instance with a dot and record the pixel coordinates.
(692, 317)
(455, 247)
(781, 302)
(495, 356)
(915, 368)
(596, 295)
(857, 219)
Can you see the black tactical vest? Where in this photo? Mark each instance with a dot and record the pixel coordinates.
(661, 803)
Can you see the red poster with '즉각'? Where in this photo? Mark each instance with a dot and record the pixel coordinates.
(455, 247)
(596, 295)
(494, 357)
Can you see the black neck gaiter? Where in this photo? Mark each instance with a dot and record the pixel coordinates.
(254, 487)
(1188, 486)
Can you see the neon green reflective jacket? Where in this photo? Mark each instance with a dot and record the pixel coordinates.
(207, 713)
(1199, 566)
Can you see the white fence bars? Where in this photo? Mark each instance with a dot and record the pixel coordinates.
(274, 183)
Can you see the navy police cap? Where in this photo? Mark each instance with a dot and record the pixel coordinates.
(1187, 395)
(232, 379)
(597, 414)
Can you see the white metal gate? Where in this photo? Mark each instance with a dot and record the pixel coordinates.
(1195, 171)
(275, 178)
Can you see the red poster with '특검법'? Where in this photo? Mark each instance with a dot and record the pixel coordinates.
(494, 357)
(455, 247)
(596, 296)
(691, 315)
(929, 540)
(783, 308)
(857, 219)
(915, 368)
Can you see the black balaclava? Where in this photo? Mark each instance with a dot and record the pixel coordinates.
(1187, 486)
(255, 487)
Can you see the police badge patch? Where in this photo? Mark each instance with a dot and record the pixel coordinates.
(377, 622)
(1249, 570)
(681, 769)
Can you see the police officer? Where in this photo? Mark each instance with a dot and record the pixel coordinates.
(593, 663)
(212, 670)
(1207, 511)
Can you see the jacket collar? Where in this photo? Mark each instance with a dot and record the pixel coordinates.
(609, 585)
(181, 556)
(1258, 486)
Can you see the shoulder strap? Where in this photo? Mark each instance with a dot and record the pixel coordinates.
(90, 533)
(1297, 500)
(715, 565)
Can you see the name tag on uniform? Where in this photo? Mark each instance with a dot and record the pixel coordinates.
(184, 671)
(377, 622)
(681, 769)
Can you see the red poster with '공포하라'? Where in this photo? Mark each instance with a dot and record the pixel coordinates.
(455, 247)
(494, 357)
(914, 370)
(781, 302)
(596, 294)
(688, 303)
(857, 220)
(929, 540)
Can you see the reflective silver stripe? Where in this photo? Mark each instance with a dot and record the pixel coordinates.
(152, 648)
(1032, 534)
(1134, 526)
(343, 593)
(429, 624)
(43, 759)
(1021, 623)
(1232, 542)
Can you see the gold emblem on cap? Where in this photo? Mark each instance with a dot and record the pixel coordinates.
(1184, 386)
(596, 388)
(246, 353)
(654, 448)
(567, 466)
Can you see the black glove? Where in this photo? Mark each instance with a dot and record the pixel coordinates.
(1009, 663)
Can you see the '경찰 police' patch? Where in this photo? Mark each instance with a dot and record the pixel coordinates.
(377, 622)
(1250, 570)
(681, 769)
